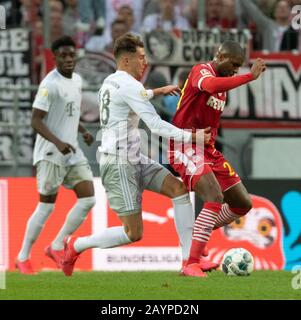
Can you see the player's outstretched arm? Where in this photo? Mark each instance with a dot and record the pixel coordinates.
(167, 90)
(39, 126)
(222, 84)
(135, 96)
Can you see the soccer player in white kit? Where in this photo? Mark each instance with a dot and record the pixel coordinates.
(57, 156)
(124, 171)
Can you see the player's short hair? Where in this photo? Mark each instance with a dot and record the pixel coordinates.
(127, 43)
(231, 47)
(118, 21)
(61, 42)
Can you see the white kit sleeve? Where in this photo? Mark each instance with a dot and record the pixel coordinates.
(137, 98)
(44, 97)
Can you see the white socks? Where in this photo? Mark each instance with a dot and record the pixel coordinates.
(36, 222)
(109, 238)
(184, 221)
(34, 227)
(75, 218)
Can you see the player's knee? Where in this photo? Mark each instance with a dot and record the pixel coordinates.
(217, 197)
(48, 208)
(44, 209)
(244, 207)
(177, 189)
(247, 204)
(87, 203)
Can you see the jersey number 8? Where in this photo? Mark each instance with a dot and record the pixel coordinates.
(104, 108)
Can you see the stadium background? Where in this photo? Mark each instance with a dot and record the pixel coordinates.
(260, 137)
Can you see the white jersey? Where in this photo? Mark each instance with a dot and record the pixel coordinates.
(123, 101)
(61, 98)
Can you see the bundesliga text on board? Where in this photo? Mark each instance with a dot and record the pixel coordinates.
(296, 21)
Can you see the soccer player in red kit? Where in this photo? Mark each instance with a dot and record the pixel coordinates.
(211, 176)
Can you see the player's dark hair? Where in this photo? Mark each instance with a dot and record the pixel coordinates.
(232, 48)
(127, 43)
(125, 6)
(61, 42)
(118, 21)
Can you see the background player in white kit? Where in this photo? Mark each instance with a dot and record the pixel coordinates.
(57, 156)
(125, 173)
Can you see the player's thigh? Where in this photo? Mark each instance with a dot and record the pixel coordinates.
(224, 172)
(49, 178)
(133, 225)
(238, 197)
(207, 187)
(158, 179)
(189, 163)
(84, 189)
(173, 187)
(122, 184)
(80, 178)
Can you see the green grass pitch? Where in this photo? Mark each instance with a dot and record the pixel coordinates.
(148, 286)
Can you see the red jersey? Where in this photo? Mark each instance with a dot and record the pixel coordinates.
(198, 109)
(201, 104)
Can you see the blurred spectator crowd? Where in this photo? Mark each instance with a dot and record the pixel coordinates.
(95, 24)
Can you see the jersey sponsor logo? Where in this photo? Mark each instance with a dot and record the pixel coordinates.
(205, 72)
(70, 109)
(216, 104)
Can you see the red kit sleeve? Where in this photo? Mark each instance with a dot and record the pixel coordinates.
(222, 84)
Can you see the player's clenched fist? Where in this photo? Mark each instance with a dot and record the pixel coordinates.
(65, 148)
(202, 135)
(258, 67)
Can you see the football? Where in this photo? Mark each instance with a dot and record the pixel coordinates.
(237, 262)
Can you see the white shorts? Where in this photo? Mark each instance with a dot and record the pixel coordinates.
(51, 176)
(125, 182)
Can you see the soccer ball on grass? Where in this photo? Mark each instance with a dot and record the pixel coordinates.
(237, 262)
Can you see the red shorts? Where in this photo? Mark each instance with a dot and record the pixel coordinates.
(192, 163)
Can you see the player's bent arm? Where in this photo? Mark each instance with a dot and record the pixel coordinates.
(222, 84)
(146, 111)
(137, 99)
(165, 129)
(40, 127)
